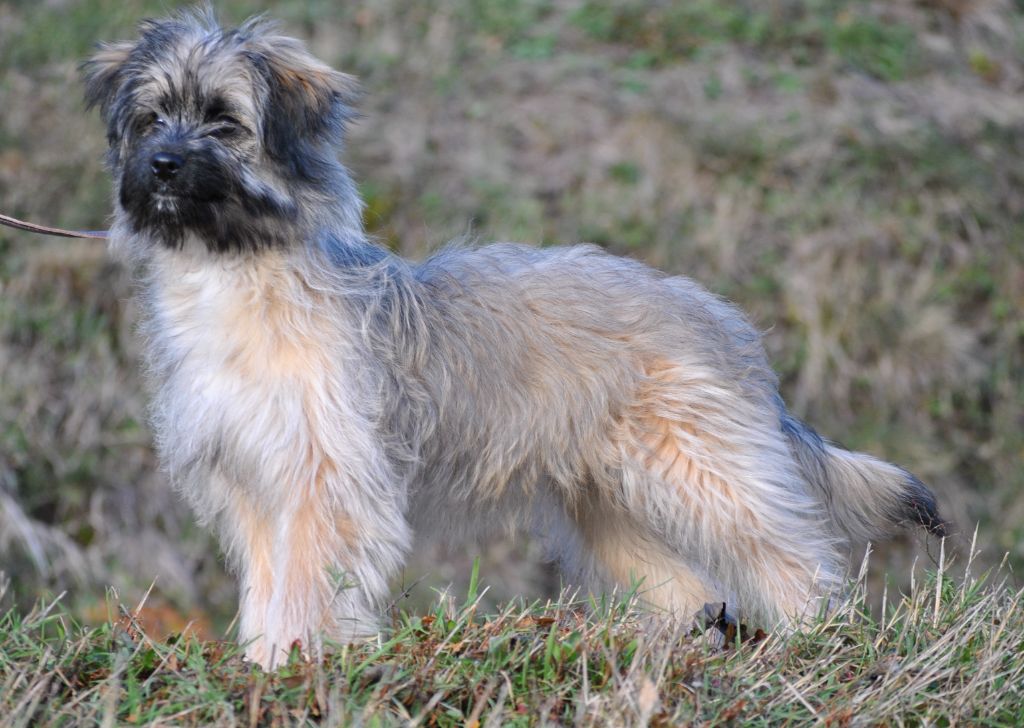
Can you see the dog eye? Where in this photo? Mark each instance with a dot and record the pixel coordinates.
(152, 121)
(226, 125)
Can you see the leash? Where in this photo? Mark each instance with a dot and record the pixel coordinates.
(44, 230)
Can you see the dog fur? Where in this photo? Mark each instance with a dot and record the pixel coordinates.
(319, 400)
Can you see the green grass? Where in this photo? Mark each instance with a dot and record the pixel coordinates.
(950, 651)
(847, 33)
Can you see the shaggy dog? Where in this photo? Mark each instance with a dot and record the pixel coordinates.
(318, 399)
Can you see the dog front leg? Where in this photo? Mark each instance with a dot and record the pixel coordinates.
(314, 569)
(247, 535)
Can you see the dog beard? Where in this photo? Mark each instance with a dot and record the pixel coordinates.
(214, 197)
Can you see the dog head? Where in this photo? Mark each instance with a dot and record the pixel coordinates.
(218, 133)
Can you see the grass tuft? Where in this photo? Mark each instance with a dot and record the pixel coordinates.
(947, 652)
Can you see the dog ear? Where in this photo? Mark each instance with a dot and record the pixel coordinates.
(308, 103)
(103, 72)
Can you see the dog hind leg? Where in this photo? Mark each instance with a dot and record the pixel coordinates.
(710, 471)
(620, 551)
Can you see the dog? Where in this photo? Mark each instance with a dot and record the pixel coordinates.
(318, 400)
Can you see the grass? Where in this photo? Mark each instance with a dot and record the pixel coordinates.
(950, 651)
(851, 34)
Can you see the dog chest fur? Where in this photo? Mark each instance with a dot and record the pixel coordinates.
(237, 348)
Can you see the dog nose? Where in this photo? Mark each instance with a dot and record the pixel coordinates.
(165, 165)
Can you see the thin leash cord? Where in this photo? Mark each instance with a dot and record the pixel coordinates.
(45, 230)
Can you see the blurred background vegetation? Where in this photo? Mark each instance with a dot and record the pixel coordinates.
(850, 172)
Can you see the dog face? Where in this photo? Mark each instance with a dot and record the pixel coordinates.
(217, 133)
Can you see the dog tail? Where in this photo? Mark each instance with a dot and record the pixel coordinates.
(866, 497)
